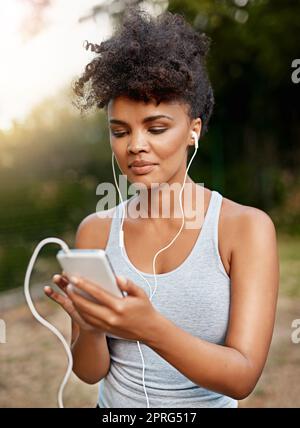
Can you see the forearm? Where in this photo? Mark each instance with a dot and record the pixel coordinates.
(215, 367)
(91, 358)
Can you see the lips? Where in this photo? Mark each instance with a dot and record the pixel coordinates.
(139, 170)
(140, 163)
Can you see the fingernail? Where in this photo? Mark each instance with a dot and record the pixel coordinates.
(70, 288)
(74, 279)
(47, 289)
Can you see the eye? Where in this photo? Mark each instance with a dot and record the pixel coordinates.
(157, 130)
(152, 130)
(118, 134)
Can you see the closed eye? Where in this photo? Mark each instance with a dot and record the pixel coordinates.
(152, 130)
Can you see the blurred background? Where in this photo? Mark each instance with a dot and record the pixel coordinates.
(52, 159)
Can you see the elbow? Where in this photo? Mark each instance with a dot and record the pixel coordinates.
(240, 395)
(244, 380)
(243, 390)
(89, 379)
(92, 381)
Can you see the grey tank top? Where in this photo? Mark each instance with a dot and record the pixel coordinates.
(196, 297)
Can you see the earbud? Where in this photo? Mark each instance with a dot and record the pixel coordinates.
(195, 136)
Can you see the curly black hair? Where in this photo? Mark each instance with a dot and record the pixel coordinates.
(151, 59)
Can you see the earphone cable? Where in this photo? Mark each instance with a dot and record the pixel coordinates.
(42, 320)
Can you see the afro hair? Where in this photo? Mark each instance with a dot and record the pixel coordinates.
(149, 58)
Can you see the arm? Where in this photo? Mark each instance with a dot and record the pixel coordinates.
(91, 358)
(235, 368)
(90, 351)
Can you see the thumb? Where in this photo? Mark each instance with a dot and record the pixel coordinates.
(128, 286)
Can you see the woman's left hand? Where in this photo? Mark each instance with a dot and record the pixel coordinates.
(132, 317)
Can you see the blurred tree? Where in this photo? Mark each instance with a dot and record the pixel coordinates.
(256, 116)
(116, 8)
(49, 170)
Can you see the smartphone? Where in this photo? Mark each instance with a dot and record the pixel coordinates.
(93, 265)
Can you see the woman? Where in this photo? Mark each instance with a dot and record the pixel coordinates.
(206, 335)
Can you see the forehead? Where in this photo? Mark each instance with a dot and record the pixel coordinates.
(132, 110)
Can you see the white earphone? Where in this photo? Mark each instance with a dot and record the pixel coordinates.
(121, 241)
(195, 136)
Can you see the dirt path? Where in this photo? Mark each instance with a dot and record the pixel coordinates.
(33, 362)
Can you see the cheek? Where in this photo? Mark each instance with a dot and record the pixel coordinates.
(170, 151)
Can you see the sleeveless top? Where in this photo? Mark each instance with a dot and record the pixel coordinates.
(196, 297)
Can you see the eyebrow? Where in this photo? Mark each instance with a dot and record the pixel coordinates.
(145, 120)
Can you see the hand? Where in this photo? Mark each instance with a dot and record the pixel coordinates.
(132, 317)
(62, 282)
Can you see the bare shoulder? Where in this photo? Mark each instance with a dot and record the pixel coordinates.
(245, 216)
(93, 230)
(242, 223)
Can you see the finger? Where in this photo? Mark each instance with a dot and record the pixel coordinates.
(63, 301)
(60, 281)
(57, 297)
(84, 305)
(130, 287)
(89, 320)
(65, 276)
(62, 275)
(96, 291)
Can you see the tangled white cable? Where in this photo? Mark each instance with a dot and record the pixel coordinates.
(42, 320)
(121, 243)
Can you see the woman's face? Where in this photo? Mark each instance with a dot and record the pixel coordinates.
(156, 134)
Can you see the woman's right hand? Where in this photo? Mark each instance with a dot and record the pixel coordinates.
(66, 303)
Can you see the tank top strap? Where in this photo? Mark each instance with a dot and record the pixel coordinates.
(210, 225)
(210, 239)
(211, 219)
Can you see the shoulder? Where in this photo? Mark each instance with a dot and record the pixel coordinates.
(245, 224)
(245, 217)
(93, 230)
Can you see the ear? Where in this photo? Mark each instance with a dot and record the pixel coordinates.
(196, 126)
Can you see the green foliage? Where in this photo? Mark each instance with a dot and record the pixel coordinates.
(289, 249)
(50, 170)
(253, 141)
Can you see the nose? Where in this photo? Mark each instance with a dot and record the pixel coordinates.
(137, 144)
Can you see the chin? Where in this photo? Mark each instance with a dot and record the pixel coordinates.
(144, 183)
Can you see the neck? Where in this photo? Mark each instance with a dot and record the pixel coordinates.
(163, 202)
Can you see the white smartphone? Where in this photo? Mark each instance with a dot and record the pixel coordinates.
(93, 265)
